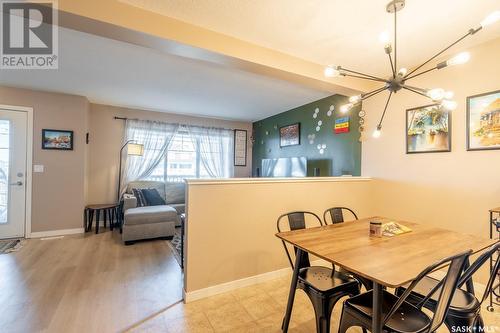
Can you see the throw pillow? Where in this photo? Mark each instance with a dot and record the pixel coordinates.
(153, 198)
(141, 201)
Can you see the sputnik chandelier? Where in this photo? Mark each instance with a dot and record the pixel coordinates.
(399, 77)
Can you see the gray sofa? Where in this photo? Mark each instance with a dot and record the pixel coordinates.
(153, 221)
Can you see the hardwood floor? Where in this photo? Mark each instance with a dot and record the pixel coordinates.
(93, 283)
(87, 283)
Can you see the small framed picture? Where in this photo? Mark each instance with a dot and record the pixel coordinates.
(240, 147)
(428, 130)
(483, 121)
(290, 135)
(57, 139)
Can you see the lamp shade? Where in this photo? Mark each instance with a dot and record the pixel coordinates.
(135, 149)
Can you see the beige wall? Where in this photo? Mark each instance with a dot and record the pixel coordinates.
(106, 135)
(453, 190)
(231, 235)
(58, 196)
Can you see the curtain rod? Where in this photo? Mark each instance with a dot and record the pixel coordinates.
(125, 118)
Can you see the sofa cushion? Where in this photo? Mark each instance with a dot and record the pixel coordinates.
(175, 193)
(140, 184)
(150, 214)
(141, 200)
(180, 208)
(152, 197)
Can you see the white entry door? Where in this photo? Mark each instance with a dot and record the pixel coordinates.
(13, 130)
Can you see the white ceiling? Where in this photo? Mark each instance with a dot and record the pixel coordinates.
(111, 72)
(337, 31)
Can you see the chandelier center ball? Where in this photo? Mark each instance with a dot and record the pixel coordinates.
(395, 5)
(395, 84)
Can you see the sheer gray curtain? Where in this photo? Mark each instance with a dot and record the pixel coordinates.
(156, 137)
(216, 149)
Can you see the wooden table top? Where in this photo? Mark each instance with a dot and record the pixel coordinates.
(390, 261)
(495, 210)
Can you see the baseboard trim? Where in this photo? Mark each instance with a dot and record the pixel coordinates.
(52, 233)
(264, 277)
(241, 283)
(236, 284)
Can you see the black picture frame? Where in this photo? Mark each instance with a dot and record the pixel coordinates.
(235, 148)
(448, 113)
(468, 120)
(296, 138)
(46, 145)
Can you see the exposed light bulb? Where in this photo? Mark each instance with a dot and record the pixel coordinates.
(490, 135)
(355, 99)
(449, 94)
(384, 37)
(345, 108)
(449, 105)
(436, 94)
(402, 71)
(378, 132)
(331, 71)
(459, 59)
(388, 48)
(491, 18)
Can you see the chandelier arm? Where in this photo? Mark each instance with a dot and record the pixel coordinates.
(395, 41)
(471, 32)
(359, 73)
(392, 66)
(372, 93)
(363, 77)
(413, 90)
(418, 74)
(385, 109)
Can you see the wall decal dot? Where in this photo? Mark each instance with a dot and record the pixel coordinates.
(321, 151)
(329, 113)
(320, 122)
(332, 107)
(267, 132)
(316, 110)
(323, 146)
(318, 128)
(315, 115)
(318, 146)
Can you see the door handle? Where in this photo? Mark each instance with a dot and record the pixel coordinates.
(18, 183)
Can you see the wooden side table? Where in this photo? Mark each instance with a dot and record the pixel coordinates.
(494, 298)
(111, 211)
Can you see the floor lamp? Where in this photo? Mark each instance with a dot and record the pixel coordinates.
(133, 149)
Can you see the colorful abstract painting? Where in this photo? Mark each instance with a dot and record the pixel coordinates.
(427, 130)
(483, 121)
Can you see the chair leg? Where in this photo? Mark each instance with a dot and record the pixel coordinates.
(112, 219)
(347, 321)
(323, 308)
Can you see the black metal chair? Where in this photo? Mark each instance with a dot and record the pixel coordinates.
(337, 214)
(324, 286)
(465, 308)
(398, 314)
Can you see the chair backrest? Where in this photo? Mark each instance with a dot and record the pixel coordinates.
(295, 221)
(337, 214)
(480, 261)
(447, 287)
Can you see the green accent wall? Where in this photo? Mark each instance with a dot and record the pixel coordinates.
(343, 151)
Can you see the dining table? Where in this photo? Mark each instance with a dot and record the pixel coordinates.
(388, 261)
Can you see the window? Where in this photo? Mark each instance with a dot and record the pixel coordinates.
(184, 158)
